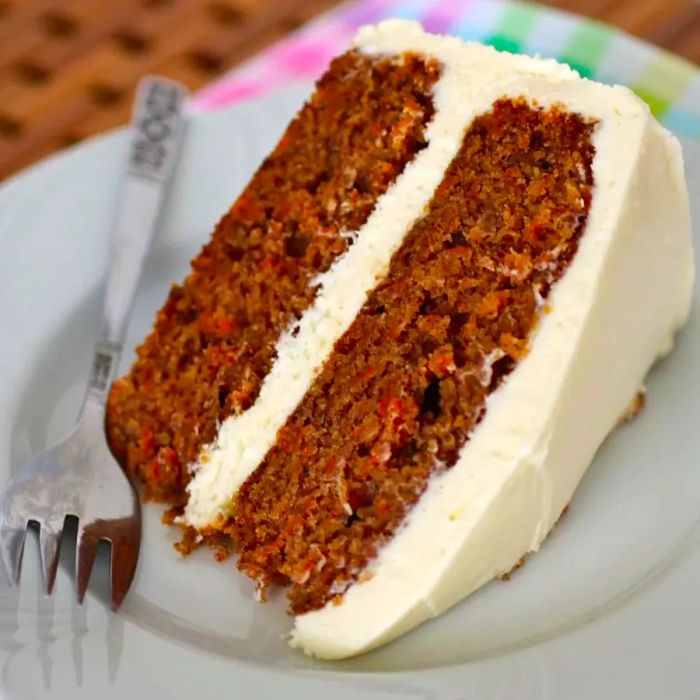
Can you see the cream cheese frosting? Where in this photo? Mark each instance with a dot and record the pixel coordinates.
(614, 312)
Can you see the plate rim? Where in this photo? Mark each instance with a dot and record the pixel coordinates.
(421, 679)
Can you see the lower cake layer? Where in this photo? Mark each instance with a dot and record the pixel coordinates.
(408, 382)
(214, 339)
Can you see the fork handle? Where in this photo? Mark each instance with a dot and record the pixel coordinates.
(157, 130)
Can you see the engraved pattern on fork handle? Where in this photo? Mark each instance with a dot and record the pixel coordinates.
(104, 370)
(158, 127)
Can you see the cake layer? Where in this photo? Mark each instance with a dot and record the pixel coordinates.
(610, 316)
(408, 382)
(215, 339)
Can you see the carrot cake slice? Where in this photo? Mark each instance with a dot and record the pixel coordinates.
(392, 364)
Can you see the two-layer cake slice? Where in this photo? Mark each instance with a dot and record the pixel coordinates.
(391, 366)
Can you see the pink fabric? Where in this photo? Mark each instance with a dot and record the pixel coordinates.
(306, 53)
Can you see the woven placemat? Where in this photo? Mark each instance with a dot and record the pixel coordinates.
(68, 68)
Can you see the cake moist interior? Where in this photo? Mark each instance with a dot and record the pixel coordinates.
(214, 339)
(408, 382)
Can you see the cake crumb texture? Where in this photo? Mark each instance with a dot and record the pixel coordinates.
(214, 339)
(408, 382)
(635, 408)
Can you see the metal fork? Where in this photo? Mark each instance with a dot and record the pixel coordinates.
(79, 477)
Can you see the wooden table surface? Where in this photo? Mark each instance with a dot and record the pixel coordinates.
(68, 67)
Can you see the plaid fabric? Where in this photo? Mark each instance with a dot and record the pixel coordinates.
(670, 85)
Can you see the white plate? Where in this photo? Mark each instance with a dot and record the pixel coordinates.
(608, 608)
